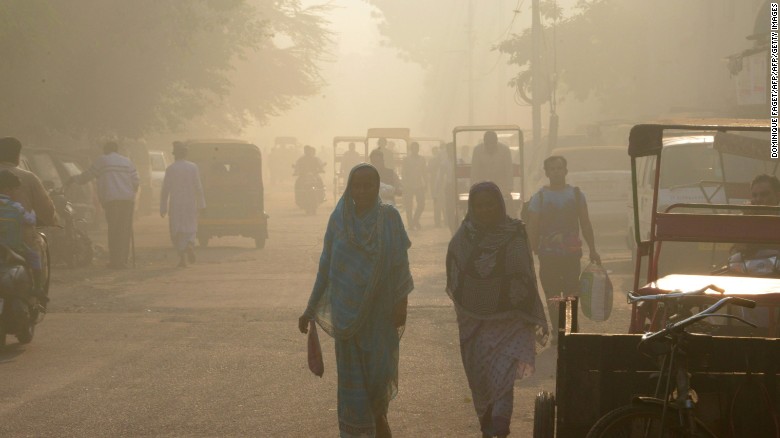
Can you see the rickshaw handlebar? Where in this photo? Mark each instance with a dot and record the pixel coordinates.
(671, 295)
(676, 295)
(706, 313)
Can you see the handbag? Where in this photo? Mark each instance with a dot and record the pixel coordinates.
(316, 365)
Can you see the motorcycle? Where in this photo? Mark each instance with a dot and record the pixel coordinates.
(69, 243)
(20, 312)
(309, 191)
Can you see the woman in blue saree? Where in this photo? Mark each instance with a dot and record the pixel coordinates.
(360, 298)
(491, 279)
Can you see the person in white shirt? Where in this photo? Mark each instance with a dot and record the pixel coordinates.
(182, 200)
(492, 161)
(117, 184)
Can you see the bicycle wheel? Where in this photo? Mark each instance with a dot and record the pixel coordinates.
(641, 421)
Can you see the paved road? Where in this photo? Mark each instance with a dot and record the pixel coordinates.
(213, 349)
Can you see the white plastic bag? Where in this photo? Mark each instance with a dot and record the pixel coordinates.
(595, 293)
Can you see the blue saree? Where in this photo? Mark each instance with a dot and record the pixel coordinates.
(363, 274)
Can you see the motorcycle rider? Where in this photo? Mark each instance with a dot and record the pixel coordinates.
(15, 222)
(33, 197)
(309, 162)
(308, 169)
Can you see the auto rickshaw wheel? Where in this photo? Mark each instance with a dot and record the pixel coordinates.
(544, 415)
(203, 241)
(260, 242)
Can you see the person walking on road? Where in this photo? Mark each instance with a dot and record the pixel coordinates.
(117, 184)
(415, 177)
(491, 280)
(181, 198)
(360, 299)
(555, 215)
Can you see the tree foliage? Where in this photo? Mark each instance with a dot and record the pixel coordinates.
(418, 29)
(633, 57)
(90, 68)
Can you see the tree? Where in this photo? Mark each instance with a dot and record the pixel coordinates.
(92, 68)
(635, 58)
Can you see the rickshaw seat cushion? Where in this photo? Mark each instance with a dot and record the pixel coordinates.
(764, 290)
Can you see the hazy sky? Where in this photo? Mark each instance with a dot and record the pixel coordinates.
(370, 86)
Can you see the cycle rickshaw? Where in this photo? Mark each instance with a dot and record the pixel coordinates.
(733, 368)
(465, 139)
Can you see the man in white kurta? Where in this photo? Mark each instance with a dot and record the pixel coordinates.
(182, 199)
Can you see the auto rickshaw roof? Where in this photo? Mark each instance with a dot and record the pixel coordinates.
(647, 139)
(397, 133)
(352, 138)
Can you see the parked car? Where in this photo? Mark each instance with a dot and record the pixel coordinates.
(54, 167)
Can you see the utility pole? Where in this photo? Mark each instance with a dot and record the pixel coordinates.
(470, 62)
(536, 75)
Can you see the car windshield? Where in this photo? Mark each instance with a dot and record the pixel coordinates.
(71, 168)
(45, 168)
(688, 164)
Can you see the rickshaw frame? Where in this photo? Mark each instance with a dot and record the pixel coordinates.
(592, 380)
(393, 134)
(461, 199)
(646, 140)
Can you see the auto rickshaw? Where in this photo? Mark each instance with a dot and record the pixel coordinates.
(232, 177)
(465, 139)
(340, 174)
(731, 365)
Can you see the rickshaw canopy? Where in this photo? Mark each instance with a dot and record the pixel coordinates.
(473, 128)
(396, 133)
(349, 139)
(647, 139)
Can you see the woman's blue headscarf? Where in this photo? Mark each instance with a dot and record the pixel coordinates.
(364, 267)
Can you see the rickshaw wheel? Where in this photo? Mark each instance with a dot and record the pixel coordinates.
(203, 241)
(544, 415)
